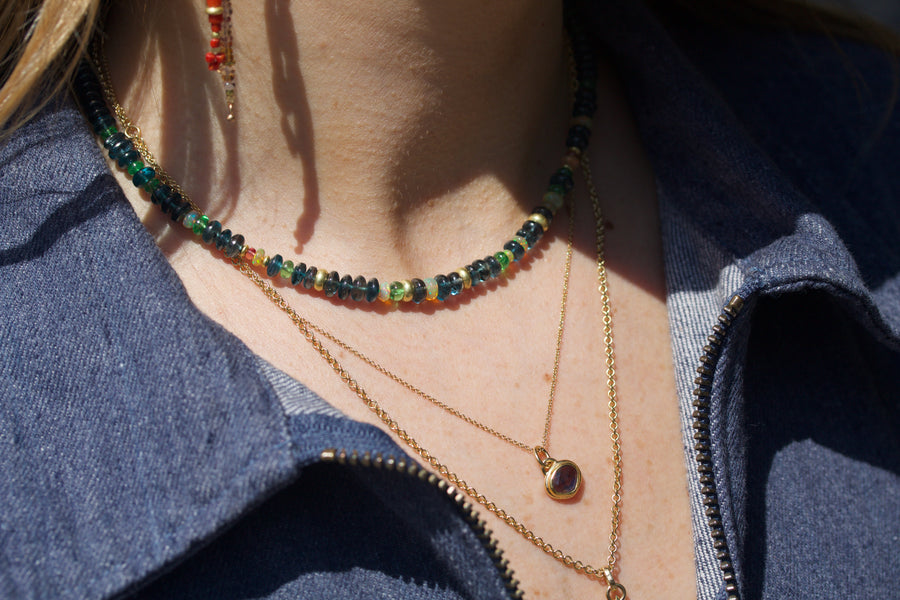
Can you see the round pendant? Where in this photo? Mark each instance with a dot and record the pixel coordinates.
(562, 478)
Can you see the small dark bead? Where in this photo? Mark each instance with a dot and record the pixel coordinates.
(563, 177)
(474, 274)
(120, 149)
(160, 194)
(346, 287)
(456, 283)
(444, 286)
(222, 239)
(516, 248)
(170, 202)
(310, 278)
(494, 265)
(212, 230)
(273, 266)
(533, 227)
(101, 124)
(179, 209)
(529, 236)
(298, 273)
(332, 283)
(543, 210)
(358, 292)
(114, 140)
(573, 140)
(129, 157)
(234, 246)
(419, 291)
(372, 289)
(484, 271)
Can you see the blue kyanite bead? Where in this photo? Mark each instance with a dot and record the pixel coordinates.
(310, 278)
(212, 230)
(564, 178)
(444, 286)
(419, 291)
(493, 265)
(516, 248)
(298, 273)
(233, 249)
(332, 284)
(273, 266)
(474, 275)
(372, 289)
(179, 208)
(358, 292)
(113, 140)
(346, 286)
(456, 283)
(103, 122)
(532, 227)
(120, 148)
(160, 194)
(222, 239)
(126, 158)
(484, 272)
(143, 176)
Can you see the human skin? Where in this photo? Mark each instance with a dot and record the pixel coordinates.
(409, 141)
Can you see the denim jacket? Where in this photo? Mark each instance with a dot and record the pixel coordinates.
(145, 451)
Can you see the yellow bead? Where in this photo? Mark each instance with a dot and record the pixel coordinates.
(466, 279)
(259, 257)
(510, 256)
(407, 290)
(319, 281)
(540, 220)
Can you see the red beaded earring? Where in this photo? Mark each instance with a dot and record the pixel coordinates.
(221, 56)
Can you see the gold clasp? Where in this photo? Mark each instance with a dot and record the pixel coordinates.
(615, 590)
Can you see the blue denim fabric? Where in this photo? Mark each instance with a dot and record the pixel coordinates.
(146, 452)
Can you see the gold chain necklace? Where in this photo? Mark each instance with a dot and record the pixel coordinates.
(550, 466)
(614, 590)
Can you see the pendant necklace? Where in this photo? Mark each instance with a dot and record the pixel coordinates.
(562, 478)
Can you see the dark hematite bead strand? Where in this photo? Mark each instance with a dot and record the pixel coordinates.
(122, 150)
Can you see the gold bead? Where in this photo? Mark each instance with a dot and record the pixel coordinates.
(319, 281)
(540, 220)
(214, 10)
(407, 290)
(466, 278)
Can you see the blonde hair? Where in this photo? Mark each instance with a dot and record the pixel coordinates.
(41, 41)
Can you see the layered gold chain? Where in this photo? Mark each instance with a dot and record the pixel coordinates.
(311, 332)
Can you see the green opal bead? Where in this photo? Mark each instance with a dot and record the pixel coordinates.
(397, 291)
(200, 224)
(135, 167)
(287, 268)
(503, 259)
(108, 132)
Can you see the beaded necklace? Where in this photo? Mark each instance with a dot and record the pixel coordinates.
(95, 94)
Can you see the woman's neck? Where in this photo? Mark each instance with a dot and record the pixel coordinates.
(349, 116)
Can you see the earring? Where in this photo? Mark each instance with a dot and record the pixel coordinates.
(221, 56)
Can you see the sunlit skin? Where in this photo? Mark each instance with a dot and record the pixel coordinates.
(407, 142)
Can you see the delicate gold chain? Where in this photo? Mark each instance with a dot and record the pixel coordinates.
(603, 288)
(129, 128)
(615, 591)
(133, 132)
(455, 411)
